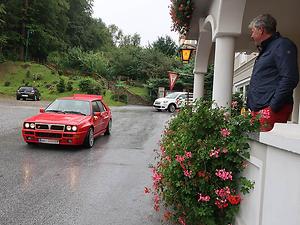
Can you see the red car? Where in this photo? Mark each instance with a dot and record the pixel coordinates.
(74, 120)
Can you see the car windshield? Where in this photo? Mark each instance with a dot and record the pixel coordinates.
(69, 106)
(25, 89)
(172, 95)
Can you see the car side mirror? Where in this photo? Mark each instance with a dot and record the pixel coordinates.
(97, 114)
(42, 110)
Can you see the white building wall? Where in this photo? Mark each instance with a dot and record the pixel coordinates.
(274, 166)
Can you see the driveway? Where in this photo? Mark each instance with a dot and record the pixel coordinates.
(47, 184)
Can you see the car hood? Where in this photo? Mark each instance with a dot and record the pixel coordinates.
(163, 99)
(57, 118)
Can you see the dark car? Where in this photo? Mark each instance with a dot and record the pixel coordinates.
(28, 93)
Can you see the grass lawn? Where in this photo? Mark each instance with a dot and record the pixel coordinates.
(16, 74)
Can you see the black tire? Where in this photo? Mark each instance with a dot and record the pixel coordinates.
(171, 108)
(89, 139)
(108, 128)
(18, 98)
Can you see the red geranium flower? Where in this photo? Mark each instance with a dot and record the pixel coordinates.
(234, 199)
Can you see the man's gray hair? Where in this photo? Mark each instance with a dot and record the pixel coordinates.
(265, 21)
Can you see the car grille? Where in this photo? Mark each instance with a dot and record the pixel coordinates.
(50, 135)
(57, 127)
(39, 126)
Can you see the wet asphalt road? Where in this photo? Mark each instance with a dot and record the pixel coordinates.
(47, 184)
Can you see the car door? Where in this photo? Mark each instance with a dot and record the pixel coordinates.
(180, 100)
(97, 120)
(104, 115)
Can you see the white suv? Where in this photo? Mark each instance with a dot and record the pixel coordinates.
(173, 101)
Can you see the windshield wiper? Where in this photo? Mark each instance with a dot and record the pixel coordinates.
(54, 110)
(75, 112)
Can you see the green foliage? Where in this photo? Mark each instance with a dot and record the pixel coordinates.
(50, 26)
(197, 175)
(90, 86)
(69, 86)
(6, 83)
(166, 46)
(61, 86)
(120, 98)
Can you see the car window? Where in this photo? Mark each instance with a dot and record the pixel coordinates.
(95, 107)
(69, 106)
(102, 108)
(25, 89)
(172, 95)
(183, 96)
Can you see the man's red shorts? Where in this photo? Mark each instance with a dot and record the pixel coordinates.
(268, 117)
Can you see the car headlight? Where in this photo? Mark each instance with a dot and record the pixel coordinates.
(71, 128)
(29, 125)
(74, 128)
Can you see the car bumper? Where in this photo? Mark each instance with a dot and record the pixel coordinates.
(27, 95)
(160, 106)
(49, 137)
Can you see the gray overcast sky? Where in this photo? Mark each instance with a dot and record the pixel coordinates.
(149, 18)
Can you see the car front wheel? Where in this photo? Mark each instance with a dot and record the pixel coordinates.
(89, 139)
(172, 108)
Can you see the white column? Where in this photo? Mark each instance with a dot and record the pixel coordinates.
(223, 71)
(198, 90)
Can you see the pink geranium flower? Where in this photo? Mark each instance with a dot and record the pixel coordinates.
(223, 174)
(214, 153)
(203, 198)
(188, 155)
(225, 132)
(180, 158)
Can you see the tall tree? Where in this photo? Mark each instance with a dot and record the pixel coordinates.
(2, 37)
(166, 45)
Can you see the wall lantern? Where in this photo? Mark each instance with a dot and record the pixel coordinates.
(186, 53)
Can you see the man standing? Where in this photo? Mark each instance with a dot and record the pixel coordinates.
(275, 73)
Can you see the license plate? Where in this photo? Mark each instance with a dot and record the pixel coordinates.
(48, 141)
(24, 95)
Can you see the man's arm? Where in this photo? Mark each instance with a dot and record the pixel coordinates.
(287, 64)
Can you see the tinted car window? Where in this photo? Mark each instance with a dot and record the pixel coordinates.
(102, 108)
(27, 89)
(96, 107)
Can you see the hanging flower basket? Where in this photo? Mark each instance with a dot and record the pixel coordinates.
(181, 13)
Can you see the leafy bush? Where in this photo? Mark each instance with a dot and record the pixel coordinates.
(90, 86)
(28, 74)
(198, 174)
(69, 86)
(61, 86)
(120, 98)
(37, 76)
(6, 83)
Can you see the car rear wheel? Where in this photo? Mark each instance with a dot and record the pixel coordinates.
(171, 108)
(108, 128)
(89, 139)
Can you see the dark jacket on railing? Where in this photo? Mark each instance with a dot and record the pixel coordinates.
(275, 74)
